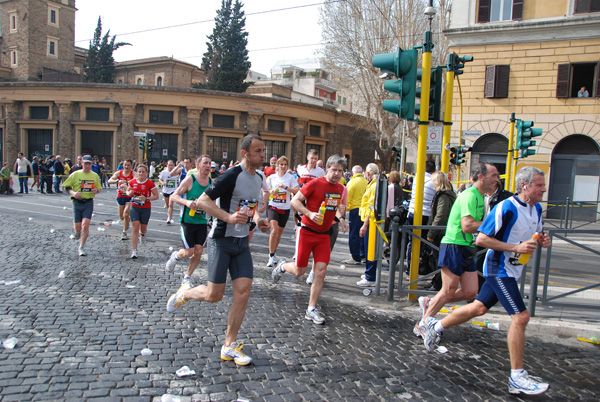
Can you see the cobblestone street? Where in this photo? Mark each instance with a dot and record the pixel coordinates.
(80, 337)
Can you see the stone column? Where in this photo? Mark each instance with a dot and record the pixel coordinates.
(299, 128)
(128, 144)
(252, 124)
(193, 135)
(65, 138)
(12, 143)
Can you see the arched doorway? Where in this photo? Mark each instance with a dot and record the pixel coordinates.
(490, 148)
(575, 173)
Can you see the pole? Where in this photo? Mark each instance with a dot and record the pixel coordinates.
(403, 155)
(421, 157)
(535, 275)
(509, 157)
(445, 165)
(393, 253)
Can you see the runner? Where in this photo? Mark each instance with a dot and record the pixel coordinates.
(169, 184)
(228, 243)
(142, 191)
(314, 235)
(122, 179)
(83, 185)
(193, 219)
(281, 186)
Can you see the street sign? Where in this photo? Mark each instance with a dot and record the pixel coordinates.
(471, 133)
(151, 132)
(165, 152)
(434, 139)
(139, 134)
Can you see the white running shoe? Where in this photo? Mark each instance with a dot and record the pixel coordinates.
(278, 271)
(124, 236)
(234, 352)
(311, 278)
(430, 335)
(365, 283)
(314, 315)
(526, 384)
(172, 261)
(75, 236)
(134, 254)
(82, 252)
(424, 304)
(272, 261)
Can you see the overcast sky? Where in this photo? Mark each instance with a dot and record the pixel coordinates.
(290, 34)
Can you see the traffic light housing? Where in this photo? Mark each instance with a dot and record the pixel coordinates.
(457, 63)
(150, 144)
(435, 94)
(524, 134)
(143, 143)
(457, 154)
(403, 64)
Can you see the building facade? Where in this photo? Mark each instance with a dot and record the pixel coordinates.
(532, 58)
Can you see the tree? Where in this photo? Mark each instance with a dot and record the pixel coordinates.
(226, 63)
(356, 30)
(100, 64)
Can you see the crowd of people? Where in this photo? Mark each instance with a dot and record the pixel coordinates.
(220, 207)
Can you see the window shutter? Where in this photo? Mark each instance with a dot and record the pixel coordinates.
(517, 10)
(502, 75)
(484, 11)
(490, 77)
(597, 89)
(562, 80)
(582, 6)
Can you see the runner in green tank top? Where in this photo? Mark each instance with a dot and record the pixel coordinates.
(193, 219)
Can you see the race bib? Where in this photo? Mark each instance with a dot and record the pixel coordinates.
(280, 197)
(87, 186)
(332, 201)
(171, 183)
(137, 200)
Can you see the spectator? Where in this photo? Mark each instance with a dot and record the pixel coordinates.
(78, 165)
(395, 195)
(356, 188)
(5, 175)
(59, 171)
(35, 170)
(213, 170)
(45, 177)
(22, 166)
(366, 209)
(269, 170)
(583, 93)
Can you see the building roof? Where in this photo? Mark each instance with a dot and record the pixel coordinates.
(302, 64)
(153, 60)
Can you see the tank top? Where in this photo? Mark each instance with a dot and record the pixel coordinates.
(128, 178)
(195, 192)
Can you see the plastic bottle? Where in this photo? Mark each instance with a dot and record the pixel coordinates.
(192, 212)
(523, 258)
(486, 324)
(10, 343)
(321, 213)
(593, 339)
(238, 226)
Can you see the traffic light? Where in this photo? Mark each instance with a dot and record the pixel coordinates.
(456, 63)
(435, 94)
(457, 154)
(403, 64)
(143, 143)
(150, 144)
(524, 134)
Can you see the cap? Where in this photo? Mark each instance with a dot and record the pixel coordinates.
(87, 158)
(274, 159)
(213, 165)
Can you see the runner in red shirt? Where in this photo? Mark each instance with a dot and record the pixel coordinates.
(121, 178)
(314, 235)
(142, 191)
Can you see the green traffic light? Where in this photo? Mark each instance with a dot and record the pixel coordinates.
(403, 64)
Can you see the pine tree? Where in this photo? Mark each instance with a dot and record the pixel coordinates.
(100, 64)
(225, 62)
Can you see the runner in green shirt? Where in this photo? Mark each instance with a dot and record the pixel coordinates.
(83, 185)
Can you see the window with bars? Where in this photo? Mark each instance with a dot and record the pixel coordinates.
(222, 148)
(572, 78)
(277, 126)
(223, 121)
(97, 113)
(587, 6)
(274, 148)
(315, 147)
(314, 130)
(39, 112)
(160, 116)
(499, 10)
(496, 81)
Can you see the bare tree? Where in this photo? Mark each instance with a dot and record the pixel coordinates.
(356, 30)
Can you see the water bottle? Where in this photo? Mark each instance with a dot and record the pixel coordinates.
(321, 213)
(244, 209)
(192, 212)
(523, 258)
(10, 343)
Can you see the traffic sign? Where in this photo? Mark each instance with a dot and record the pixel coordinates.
(151, 132)
(434, 139)
(471, 133)
(139, 134)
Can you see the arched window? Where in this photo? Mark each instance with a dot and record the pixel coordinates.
(139, 81)
(120, 82)
(159, 82)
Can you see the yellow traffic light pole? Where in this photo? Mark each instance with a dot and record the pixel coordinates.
(421, 157)
(447, 121)
(509, 158)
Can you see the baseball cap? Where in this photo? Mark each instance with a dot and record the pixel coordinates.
(87, 158)
(213, 165)
(274, 159)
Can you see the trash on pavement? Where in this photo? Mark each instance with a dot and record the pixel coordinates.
(185, 371)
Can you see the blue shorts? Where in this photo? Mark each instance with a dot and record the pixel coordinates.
(229, 254)
(140, 214)
(505, 290)
(458, 259)
(122, 201)
(82, 209)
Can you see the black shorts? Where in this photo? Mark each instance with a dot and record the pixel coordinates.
(229, 254)
(281, 218)
(193, 234)
(122, 201)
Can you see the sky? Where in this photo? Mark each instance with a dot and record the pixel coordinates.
(277, 30)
